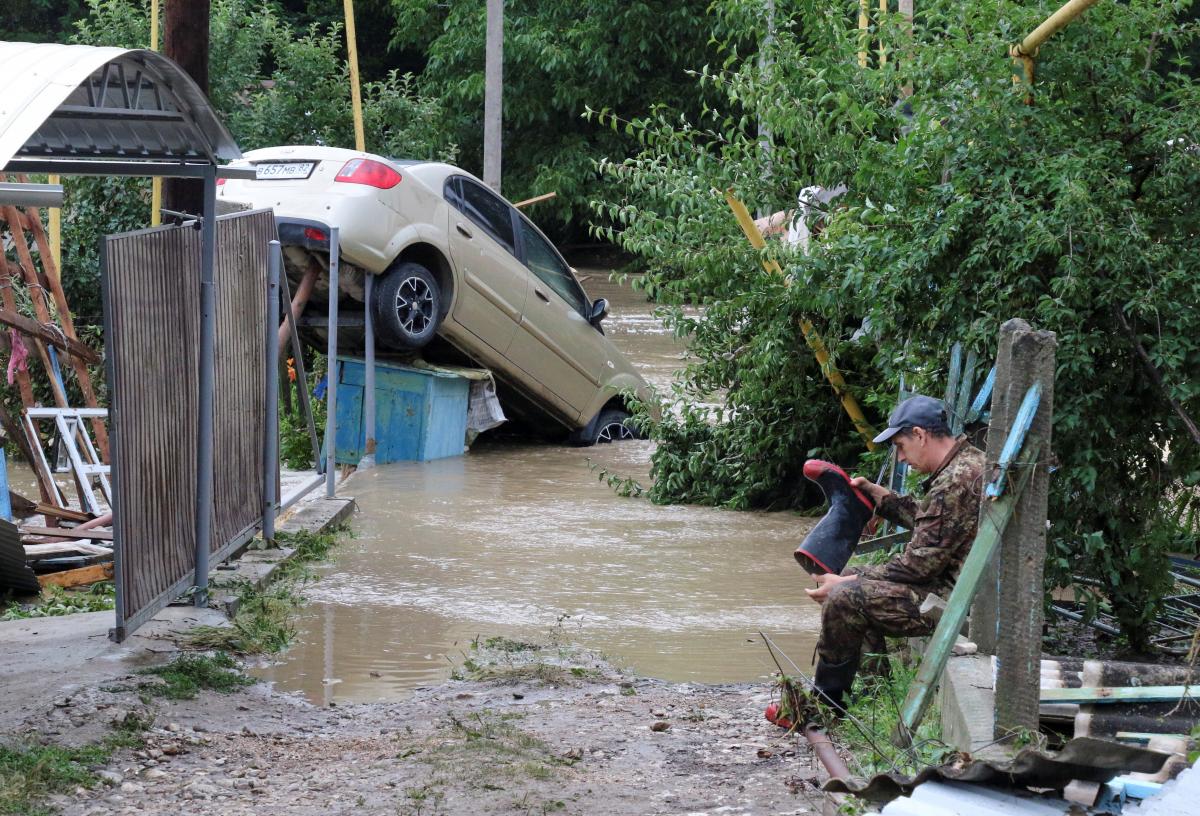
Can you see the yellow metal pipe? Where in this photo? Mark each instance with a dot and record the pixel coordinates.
(1026, 51)
(806, 327)
(1053, 24)
(360, 139)
(156, 182)
(56, 231)
(863, 23)
(883, 10)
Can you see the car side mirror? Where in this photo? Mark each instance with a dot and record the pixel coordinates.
(599, 311)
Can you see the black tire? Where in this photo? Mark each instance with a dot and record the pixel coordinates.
(613, 426)
(407, 306)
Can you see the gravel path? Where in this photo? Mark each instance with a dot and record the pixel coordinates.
(529, 735)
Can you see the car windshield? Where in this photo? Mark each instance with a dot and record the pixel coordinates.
(544, 261)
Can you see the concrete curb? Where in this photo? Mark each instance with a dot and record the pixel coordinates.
(258, 567)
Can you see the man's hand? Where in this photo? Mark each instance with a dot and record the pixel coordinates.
(826, 583)
(876, 492)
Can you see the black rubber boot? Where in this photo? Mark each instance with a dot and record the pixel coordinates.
(833, 682)
(831, 543)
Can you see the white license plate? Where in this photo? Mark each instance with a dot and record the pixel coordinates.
(283, 170)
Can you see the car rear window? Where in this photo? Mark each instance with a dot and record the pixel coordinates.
(487, 211)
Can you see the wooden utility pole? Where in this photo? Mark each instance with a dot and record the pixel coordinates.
(185, 40)
(493, 92)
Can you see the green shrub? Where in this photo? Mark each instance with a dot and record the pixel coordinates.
(966, 207)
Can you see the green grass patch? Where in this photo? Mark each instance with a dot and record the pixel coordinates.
(55, 601)
(188, 674)
(874, 712)
(29, 773)
(263, 623)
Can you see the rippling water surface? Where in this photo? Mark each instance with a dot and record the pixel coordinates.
(522, 540)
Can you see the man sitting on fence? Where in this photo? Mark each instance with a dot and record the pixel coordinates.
(866, 603)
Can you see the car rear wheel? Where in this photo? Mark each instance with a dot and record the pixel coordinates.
(407, 306)
(613, 426)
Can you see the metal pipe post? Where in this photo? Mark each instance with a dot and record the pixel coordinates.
(824, 748)
(331, 370)
(368, 459)
(271, 434)
(204, 443)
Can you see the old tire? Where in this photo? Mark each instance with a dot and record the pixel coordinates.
(407, 306)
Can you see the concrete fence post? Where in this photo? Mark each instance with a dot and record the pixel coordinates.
(1007, 617)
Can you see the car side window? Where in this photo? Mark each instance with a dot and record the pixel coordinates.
(544, 261)
(486, 210)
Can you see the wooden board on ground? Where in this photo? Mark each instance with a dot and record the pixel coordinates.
(78, 577)
(58, 549)
(64, 532)
(64, 513)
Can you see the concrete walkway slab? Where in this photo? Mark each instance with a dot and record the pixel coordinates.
(48, 658)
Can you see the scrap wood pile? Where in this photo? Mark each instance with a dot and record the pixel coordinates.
(61, 540)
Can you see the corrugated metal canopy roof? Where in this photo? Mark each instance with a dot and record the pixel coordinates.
(83, 103)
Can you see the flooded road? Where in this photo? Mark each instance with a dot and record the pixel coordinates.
(522, 540)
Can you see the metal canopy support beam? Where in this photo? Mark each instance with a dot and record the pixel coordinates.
(271, 436)
(81, 166)
(331, 368)
(208, 325)
(31, 195)
(368, 458)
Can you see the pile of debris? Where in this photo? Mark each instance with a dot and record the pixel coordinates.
(62, 539)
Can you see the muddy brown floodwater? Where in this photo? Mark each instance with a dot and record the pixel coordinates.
(521, 540)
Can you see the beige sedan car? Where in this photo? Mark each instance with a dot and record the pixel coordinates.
(452, 260)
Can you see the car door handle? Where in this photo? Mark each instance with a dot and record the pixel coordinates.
(539, 293)
(466, 233)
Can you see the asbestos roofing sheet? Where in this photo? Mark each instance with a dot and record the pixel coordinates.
(84, 102)
(959, 799)
(1084, 758)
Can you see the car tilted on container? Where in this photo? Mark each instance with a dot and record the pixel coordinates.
(454, 260)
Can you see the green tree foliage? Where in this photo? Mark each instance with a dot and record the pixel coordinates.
(966, 206)
(558, 57)
(38, 20)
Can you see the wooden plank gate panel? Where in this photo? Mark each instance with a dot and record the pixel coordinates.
(240, 377)
(151, 289)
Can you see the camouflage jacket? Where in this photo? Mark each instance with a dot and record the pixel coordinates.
(943, 524)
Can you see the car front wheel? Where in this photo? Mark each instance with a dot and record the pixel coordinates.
(407, 306)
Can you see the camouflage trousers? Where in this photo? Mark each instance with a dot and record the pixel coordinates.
(858, 614)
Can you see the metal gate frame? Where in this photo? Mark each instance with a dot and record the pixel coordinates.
(204, 551)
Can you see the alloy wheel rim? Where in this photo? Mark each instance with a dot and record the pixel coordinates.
(414, 305)
(614, 431)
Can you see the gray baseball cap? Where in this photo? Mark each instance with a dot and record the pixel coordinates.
(916, 412)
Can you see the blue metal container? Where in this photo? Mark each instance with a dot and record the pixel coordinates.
(419, 415)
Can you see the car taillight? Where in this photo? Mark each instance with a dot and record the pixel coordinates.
(314, 234)
(369, 172)
(221, 182)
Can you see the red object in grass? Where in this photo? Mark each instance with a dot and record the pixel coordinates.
(773, 716)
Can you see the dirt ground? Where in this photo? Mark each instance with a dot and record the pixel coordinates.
(533, 732)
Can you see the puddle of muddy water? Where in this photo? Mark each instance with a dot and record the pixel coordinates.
(521, 540)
